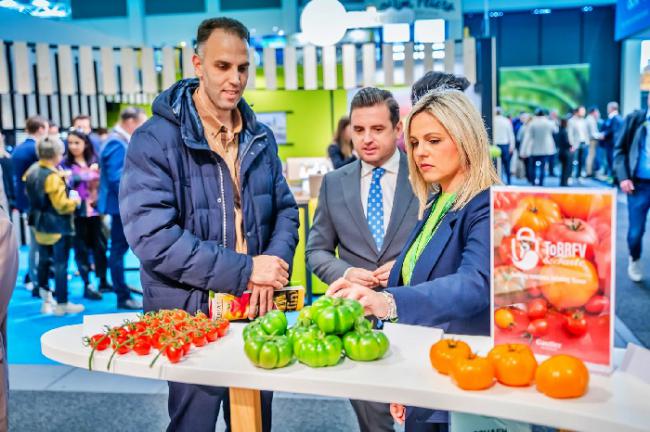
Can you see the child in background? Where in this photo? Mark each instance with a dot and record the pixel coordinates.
(51, 213)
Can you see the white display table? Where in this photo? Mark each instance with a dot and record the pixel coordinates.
(617, 402)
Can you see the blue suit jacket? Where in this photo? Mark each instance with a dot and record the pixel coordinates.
(111, 164)
(450, 285)
(23, 157)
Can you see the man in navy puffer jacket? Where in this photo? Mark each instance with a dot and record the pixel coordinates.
(205, 205)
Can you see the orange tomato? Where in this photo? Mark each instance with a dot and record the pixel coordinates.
(581, 206)
(536, 213)
(562, 376)
(444, 352)
(569, 283)
(514, 364)
(472, 372)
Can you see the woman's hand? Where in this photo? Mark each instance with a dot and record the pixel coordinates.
(383, 272)
(373, 303)
(398, 412)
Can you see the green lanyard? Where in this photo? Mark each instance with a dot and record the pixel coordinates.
(440, 208)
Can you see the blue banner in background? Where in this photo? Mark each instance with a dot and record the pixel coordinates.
(632, 16)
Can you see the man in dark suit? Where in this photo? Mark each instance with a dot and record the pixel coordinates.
(612, 129)
(366, 210)
(632, 168)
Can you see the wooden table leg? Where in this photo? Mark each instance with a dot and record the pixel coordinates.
(245, 410)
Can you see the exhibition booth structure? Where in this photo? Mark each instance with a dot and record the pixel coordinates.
(299, 91)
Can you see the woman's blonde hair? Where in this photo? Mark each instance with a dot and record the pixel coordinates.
(465, 126)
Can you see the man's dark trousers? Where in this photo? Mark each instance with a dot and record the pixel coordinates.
(195, 408)
(119, 248)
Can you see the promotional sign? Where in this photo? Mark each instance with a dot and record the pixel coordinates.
(397, 10)
(632, 17)
(552, 271)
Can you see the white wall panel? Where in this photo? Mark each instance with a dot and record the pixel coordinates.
(127, 71)
(408, 63)
(188, 68)
(329, 68)
(388, 64)
(349, 55)
(4, 71)
(66, 71)
(469, 59)
(168, 67)
(270, 68)
(290, 68)
(22, 75)
(86, 71)
(44, 69)
(149, 76)
(109, 76)
(369, 63)
(309, 67)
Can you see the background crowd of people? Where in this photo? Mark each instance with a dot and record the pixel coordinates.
(581, 142)
(65, 186)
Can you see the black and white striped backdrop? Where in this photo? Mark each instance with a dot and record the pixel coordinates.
(62, 81)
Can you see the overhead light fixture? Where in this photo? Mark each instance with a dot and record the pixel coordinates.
(396, 33)
(429, 31)
(11, 4)
(542, 11)
(324, 22)
(587, 9)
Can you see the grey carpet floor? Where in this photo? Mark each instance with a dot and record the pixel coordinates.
(50, 411)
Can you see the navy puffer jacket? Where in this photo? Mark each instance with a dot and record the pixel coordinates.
(176, 203)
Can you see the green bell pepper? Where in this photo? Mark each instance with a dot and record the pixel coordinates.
(268, 352)
(318, 350)
(271, 324)
(302, 328)
(253, 328)
(365, 344)
(274, 322)
(305, 314)
(335, 315)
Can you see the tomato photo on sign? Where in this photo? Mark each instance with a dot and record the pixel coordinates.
(603, 260)
(597, 305)
(538, 328)
(570, 283)
(505, 201)
(502, 226)
(574, 231)
(509, 284)
(536, 213)
(511, 319)
(582, 206)
(576, 324)
(537, 308)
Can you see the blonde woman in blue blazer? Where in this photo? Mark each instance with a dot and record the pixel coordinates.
(442, 277)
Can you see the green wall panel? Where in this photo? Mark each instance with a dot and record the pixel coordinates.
(311, 117)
